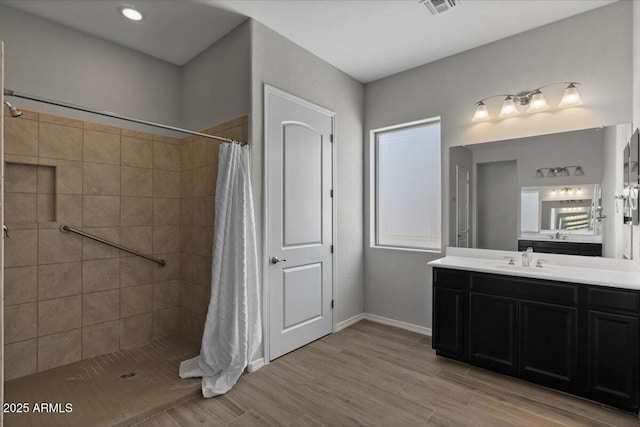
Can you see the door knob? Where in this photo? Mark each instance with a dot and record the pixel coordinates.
(275, 260)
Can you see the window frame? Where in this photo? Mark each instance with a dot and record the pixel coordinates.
(373, 186)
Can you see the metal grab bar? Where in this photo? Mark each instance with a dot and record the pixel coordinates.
(65, 228)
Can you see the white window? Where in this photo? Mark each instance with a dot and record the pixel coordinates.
(407, 186)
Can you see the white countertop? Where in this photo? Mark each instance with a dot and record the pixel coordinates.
(609, 272)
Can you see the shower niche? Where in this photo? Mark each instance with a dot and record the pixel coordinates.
(30, 195)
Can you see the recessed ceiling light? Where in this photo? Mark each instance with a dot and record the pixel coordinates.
(130, 13)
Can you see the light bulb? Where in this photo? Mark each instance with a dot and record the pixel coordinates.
(571, 97)
(481, 114)
(509, 108)
(538, 103)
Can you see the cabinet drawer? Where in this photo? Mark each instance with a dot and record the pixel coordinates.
(614, 300)
(531, 289)
(448, 278)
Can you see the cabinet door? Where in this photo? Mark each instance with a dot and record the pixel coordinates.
(548, 344)
(493, 331)
(613, 358)
(447, 321)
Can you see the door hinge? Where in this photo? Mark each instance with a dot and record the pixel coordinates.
(331, 303)
(331, 138)
(330, 193)
(331, 248)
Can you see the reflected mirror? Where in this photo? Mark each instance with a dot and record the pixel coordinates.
(555, 193)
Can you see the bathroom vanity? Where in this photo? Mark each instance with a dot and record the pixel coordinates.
(572, 324)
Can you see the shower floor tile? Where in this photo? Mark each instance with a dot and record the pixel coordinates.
(119, 388)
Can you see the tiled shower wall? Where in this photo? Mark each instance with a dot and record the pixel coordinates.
(198, 184)
(67, 297)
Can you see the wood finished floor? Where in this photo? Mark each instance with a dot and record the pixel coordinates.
(375, 375)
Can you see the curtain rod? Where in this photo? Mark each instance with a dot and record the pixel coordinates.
(9, 92)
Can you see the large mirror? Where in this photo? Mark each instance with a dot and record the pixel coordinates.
(554, 193)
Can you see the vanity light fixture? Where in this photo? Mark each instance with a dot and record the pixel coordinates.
(559, 171)
(533, 98)
(131, 13)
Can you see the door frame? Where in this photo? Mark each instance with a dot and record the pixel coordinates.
(458, 168)
(266, 309)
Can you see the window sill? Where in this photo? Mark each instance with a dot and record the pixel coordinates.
(395, 248)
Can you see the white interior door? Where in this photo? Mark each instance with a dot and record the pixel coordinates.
(299, 164)
(462, 207)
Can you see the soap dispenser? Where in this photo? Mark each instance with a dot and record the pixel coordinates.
(526, 256)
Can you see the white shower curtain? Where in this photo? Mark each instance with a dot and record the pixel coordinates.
(233, 330)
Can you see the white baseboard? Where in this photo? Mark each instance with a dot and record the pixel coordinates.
(255, 365)
(346, 323)
(385, 321)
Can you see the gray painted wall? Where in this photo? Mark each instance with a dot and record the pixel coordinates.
(497, 199)
(593, 48)
(279, 62)
(636, 103)
(53, 61)
(216, 84)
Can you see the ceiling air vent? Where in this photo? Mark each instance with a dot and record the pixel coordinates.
(436, 7)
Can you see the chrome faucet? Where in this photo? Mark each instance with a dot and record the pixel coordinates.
(511, 260)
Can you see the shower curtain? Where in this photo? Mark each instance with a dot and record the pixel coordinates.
(233, 330)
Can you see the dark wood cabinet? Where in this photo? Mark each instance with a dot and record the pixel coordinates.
(548, 343)
(582, 339)
(493, 331)
(613, 358)
(561, 247)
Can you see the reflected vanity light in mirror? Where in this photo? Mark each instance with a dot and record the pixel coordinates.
(562, 171)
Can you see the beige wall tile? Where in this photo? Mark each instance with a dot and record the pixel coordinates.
(69, 209)
(46, 208)
(166, 239)
(214, 149)
(203, 210)
(165, 322)
(101, 211)
(135, 300)
(101, 147)
(68, 175)
(186, 155)
(136, 182)
(21, 249)
(26, 114)
(166, 139)
(138, 238)
(100, 339)
(186, 183)
(136, 211)
(20, 322)
(98, 127)
(100, 179)
(20, 285)
(97, 250)
(98, 275)
(60, 142)
(135, 271)
(135, 330)
(187, 266)
(167, 156)
(202, 240)
(201, 270)
(20, 178)
(21, 137)
(200, 152)
(186, 211)
(171, 271)
(59, 120)
(202, 182)
(59, 349)
(137, 152)
(20, 207)
(58, 315)
(20, 359)
(186, 239)
(55, 246)
(136, 134)
(166, 294)
(166, 183)
(166, 211)
(59, 280)
(100, 307)
(46, 179)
